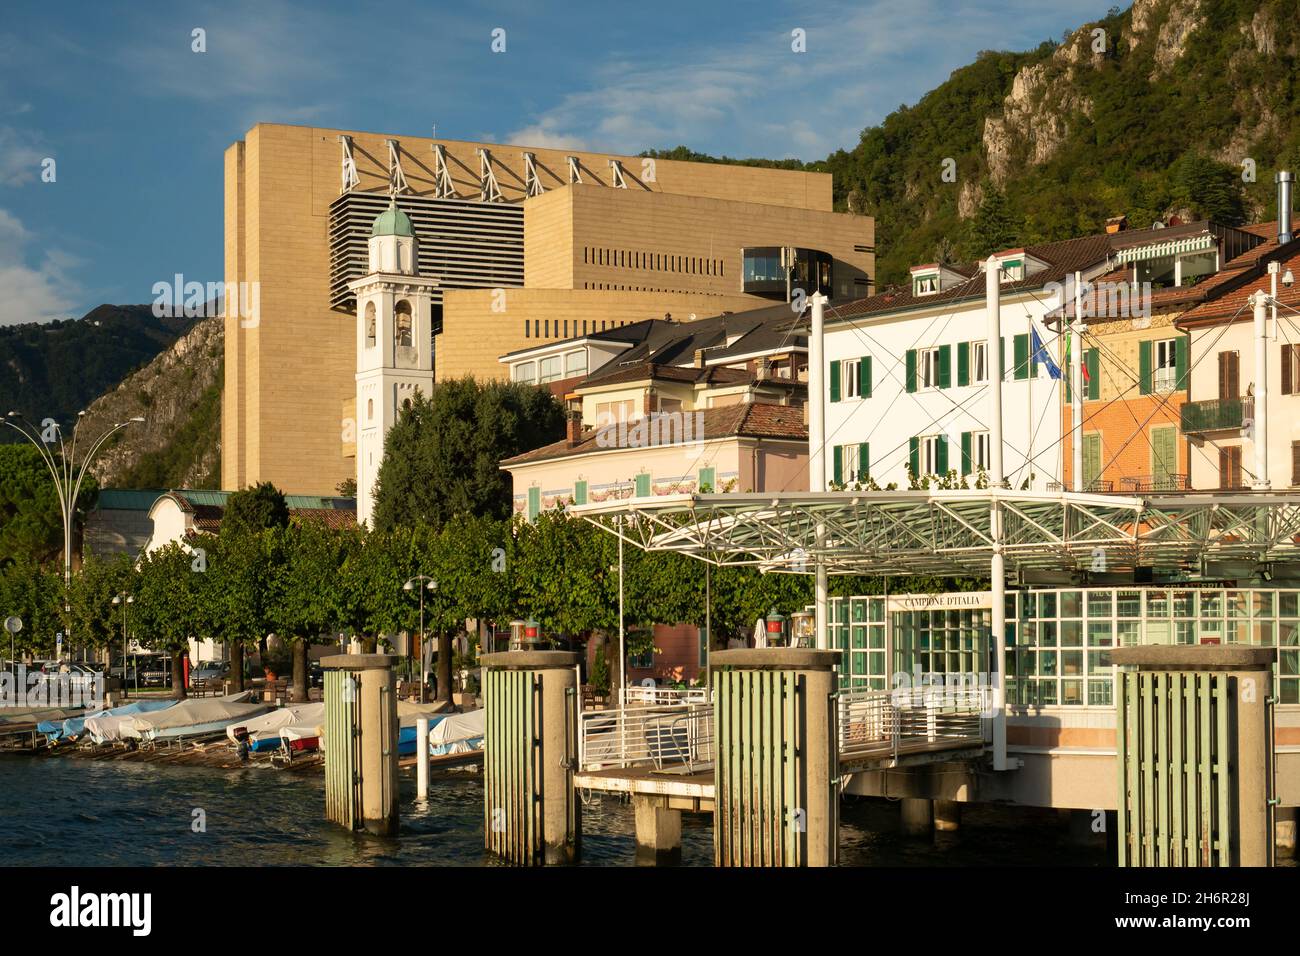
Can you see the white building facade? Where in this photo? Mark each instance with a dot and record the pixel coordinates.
(908, 384)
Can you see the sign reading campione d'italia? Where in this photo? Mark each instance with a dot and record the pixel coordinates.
(955, 601)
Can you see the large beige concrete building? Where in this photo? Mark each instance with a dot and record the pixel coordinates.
(526, 245)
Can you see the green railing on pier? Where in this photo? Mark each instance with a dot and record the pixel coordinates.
(1175, 803)
(342, 754)
(512, 802)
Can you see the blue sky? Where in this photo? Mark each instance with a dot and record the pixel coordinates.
(137, 122)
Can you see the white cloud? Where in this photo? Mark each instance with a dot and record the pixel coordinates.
(751, 95)
(20, 157)
(32, 293)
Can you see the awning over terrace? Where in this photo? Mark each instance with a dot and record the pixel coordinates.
(947, 531)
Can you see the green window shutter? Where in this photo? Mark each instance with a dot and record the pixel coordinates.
(1164, 452)
(835, 381)
(642, 485)
(1144, 367)
(966, 453)
(1021, 356)
(963, 363)
(945, 366)
(1091, 459)
(864, 461)
(579, 492)
(911, 370)
(708, 479)
(838, 475)
(941, 455)
(864, 377)
(534, 502)
(1180, 362)
(1092, 359)
(914, 454)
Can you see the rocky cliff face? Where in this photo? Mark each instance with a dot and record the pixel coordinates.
(179, 396)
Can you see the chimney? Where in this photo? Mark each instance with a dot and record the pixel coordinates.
(699, 358)
(1116, 224)
(573, 429)
(1284, 181)
(764, 368)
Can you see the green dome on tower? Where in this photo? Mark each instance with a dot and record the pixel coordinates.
(392, 222)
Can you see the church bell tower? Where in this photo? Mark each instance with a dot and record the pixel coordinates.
(394, 342)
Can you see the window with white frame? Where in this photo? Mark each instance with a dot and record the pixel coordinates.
(981, 460)
(979, 361)
(927, 372)
(851, 459)
(929, 455)
(1013, 270)
(1166, 365)
(575, 363)
(526, 373)
(548, 369)
(850, 377)
(925, 284)
(607, 413)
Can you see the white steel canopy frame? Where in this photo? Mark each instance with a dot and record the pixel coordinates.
(396, 177)
(443, 188)
(942, 531)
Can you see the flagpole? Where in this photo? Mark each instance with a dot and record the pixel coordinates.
(1075, 372)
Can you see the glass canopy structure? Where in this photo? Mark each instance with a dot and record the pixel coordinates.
(947, 531)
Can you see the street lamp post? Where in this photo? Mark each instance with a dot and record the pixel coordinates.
(124, 599)
(429, 585)
(67, 476)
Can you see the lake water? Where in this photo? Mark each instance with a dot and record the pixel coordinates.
(71, 812)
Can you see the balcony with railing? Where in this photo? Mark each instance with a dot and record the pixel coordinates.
(1217, 414)
(1143, 484)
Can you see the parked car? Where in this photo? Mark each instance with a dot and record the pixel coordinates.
(156, 672)
(209, 670)
(75, 673)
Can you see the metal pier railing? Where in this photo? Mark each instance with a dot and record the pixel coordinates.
(887, 723)
(650, 735)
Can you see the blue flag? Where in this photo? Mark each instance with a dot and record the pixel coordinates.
(1041, 354)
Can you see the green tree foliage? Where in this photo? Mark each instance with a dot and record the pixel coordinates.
(31, 522)
(96, 621)
(34, 594)
(172, 605)
(1212, 190)
(443, 456)
(253, 509)
(303, 560)
(992, 228)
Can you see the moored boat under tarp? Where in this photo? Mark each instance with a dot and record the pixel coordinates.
(193, 717)
(55, 730)
(459, 733)
(264, 731)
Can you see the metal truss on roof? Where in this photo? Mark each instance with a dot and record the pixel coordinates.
(948, 531)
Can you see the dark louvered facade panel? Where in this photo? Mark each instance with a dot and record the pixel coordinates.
(463, 244)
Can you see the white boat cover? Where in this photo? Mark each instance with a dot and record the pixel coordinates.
(270, 725)
(459, 732)
(201, 714)
(407, 714)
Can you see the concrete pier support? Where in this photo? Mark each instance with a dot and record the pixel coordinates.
(947, 816)
(361, 789)
(1284, 831)
(658, 831)
(916, 817)
(776, 775)
(531, 811)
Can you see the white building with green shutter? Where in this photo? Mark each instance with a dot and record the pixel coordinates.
(908, 372)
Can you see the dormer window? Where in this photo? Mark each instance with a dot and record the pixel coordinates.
(1013, 270)
(925, 284)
